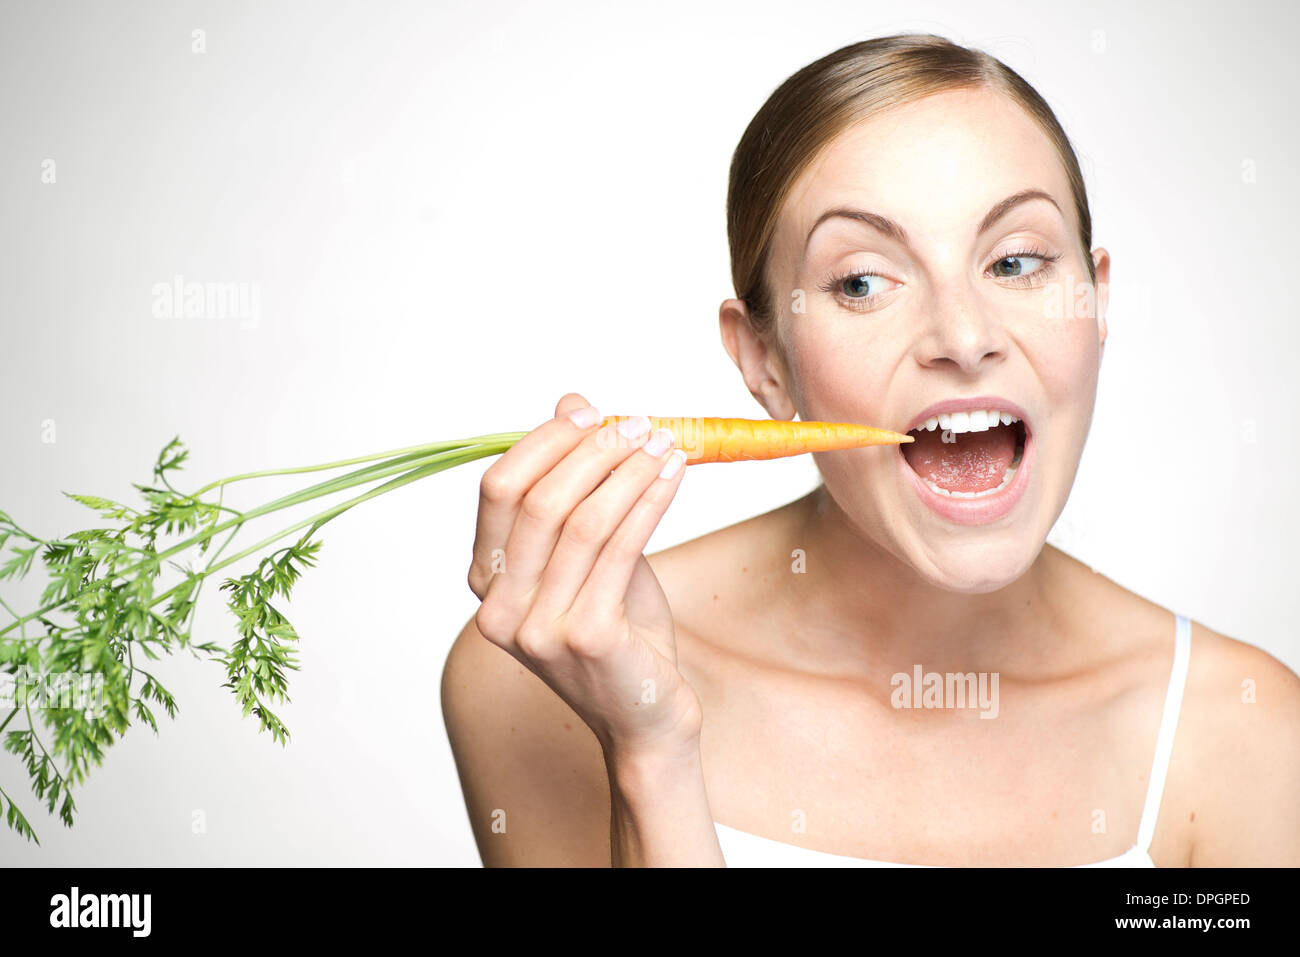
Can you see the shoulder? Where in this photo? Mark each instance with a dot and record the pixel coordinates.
(1233, 781)
(532, 772)
(1242, 715)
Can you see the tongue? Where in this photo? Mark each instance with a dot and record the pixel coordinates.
(976, 461)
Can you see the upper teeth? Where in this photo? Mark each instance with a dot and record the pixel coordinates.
(976, 420)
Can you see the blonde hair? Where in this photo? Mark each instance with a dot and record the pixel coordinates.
(806, 112)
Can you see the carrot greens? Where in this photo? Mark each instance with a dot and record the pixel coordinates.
(74, 673)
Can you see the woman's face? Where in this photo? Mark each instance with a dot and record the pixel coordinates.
(971, 311)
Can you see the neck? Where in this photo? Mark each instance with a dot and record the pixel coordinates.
(861, 607)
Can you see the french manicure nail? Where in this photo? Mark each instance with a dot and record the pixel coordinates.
(634, 427)
(585, 417)
(674, 463)
(659, 443)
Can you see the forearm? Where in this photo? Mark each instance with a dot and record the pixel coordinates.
(659, 813)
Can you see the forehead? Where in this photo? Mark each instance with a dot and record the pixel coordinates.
(935, 166)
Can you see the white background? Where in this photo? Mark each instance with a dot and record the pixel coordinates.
(456, 212)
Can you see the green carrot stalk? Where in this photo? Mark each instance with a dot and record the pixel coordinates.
(72, 672)
(100, 619)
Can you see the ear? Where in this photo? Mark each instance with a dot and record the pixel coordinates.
(1101, 262)
(759, 360)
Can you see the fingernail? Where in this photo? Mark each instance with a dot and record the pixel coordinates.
(675, 462)
(634, 426)
(659, 443)
(585, 417)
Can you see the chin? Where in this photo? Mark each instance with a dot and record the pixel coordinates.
(968, 505)
(983, 564)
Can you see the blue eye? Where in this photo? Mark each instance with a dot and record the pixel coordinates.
(859, 288)
(857, 285)
(1017, 265)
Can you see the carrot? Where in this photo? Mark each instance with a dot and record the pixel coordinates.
(102, 580)
(737, 440)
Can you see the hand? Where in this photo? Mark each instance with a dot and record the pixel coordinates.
(565, 587)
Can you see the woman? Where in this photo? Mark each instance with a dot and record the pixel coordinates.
(911, 249)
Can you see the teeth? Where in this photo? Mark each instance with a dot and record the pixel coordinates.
(976, 420)
(973, 420)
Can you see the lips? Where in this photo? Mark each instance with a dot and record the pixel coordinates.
(969, 458)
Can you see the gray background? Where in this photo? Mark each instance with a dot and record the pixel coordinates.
(453, 213)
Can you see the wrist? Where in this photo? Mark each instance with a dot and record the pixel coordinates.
(641, 770)
(673, 739)
(659, 810)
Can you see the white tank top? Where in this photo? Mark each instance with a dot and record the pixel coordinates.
(742, 849)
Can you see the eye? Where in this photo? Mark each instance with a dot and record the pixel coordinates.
(1009, 266)
(857, 286)
(1024, 267)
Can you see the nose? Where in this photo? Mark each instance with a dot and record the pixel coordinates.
(961, 334)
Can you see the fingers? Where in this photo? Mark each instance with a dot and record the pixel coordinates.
(551, 500)
(570, 403)
(541, 515)
(591, 524)
(549, 508)
(612, 573)
(507, 480)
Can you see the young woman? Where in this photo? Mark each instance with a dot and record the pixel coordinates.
(911, 249)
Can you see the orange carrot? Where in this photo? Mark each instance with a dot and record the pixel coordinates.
(136, 613)
(737, 440)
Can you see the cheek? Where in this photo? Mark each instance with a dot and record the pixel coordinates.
(842, 378)
(1067, 355)
(1063, 341)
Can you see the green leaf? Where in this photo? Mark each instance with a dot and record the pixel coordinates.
(100, 610)
(107, 507)
(15, 819)
(171, 457)
(20, 564)
(142, 711)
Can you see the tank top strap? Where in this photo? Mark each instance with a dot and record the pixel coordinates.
(1168, 725)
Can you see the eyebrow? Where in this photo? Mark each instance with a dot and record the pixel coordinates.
(896, 232)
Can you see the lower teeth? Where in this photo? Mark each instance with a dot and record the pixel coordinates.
(1006, 480)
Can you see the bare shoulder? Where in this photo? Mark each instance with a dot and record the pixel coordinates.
(532, 772)
(1234, 774)
(1242, 712)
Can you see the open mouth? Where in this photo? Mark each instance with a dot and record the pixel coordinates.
(967, 454)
